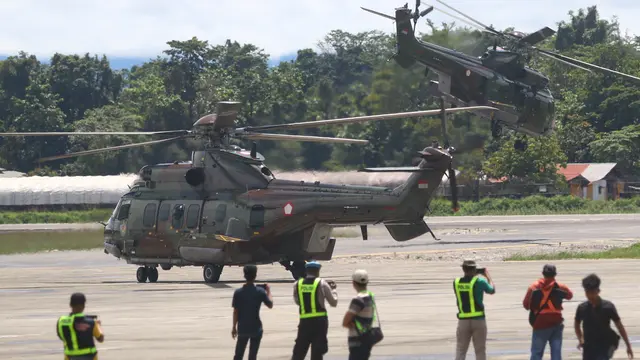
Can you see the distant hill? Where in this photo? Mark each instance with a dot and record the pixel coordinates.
(118, 63)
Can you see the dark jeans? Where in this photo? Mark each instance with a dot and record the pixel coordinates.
(311, 332)
(541, 337)
(361, 352)
(241, 345)
(597, 352)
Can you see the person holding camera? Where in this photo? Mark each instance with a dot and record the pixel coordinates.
(77, 331)
(310, 293)
(469, 291)
(247, 326)
(361, 318)
(544, 299)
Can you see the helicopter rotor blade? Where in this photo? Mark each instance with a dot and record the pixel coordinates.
(565, 62)
(287, 137)
(464, 21)
(120, 147)
(537, 36)
(489, 29)
(583, 65)
(378, 13)
(102, 133)
(361, 119)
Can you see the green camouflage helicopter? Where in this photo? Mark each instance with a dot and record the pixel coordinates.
(499, 79)
(225, 207)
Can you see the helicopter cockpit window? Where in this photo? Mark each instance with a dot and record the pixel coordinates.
(123, 213)
(192, 216)
(178, 216)
(149, 216)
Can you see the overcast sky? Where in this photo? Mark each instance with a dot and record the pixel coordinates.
(141, 28)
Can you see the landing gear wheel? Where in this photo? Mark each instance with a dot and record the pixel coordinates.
(211, 273)
(152, 274)
(141, 274)
(297, 270)
(520, 145)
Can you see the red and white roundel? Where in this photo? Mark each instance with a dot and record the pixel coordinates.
(288, 209)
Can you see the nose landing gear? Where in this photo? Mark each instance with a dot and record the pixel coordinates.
(145, 273)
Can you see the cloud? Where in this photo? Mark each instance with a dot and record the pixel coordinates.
(141, 28)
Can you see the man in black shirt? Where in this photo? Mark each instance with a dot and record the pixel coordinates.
(599, 341)
(246, 313)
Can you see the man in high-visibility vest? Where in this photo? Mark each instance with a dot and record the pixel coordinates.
(77, 331)
(309, 293)
(469, 291)
(544, 302)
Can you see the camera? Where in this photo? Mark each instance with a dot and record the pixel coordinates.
(264, 286)
(481, 271)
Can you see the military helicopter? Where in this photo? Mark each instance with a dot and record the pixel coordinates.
(499, 79)
(225, 207)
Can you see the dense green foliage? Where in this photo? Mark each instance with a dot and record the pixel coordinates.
(31, 242)
(532, 205)
(598, 115)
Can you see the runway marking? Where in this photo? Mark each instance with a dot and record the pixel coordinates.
(431, 251)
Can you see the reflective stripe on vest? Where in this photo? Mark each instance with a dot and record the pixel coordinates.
(69, 337)
(550, 308)
(373, 318)
(466, 288)
(310, 290)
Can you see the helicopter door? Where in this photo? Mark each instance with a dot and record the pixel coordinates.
(214, 216)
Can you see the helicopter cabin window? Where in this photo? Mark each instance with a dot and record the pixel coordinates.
(192, 216)
(178, 216)
(256, 219)
(163, 214)
(149, 216)
(221, 213)
(123, 213)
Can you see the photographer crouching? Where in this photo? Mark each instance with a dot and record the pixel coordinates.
(469, 291)
(247, 325)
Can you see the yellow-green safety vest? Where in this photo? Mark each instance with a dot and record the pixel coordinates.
(311, 290)
(373, 319)
(70, 339)
(467, 288)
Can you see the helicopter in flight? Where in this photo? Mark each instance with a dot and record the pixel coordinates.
(500, 78)
(226, 208)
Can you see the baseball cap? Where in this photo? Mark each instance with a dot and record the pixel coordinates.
(312, 265)
(549, 270)
(360, 276)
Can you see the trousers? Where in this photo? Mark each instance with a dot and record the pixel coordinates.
(311, 332)
(469, 329)
(361, 352)
(597, 352)
(540, 338)
(241, 345)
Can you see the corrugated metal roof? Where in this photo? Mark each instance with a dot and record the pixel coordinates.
(597, 171)
(573, 170)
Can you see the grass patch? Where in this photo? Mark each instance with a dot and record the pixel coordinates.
(629, 252)
(536, 205)
(532, 205)
(51, 217)
(31, 242)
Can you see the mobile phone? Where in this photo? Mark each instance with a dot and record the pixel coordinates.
(93, 317)
(264, 286)
(481, 271)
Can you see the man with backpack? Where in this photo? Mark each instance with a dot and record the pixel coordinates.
(544, 301)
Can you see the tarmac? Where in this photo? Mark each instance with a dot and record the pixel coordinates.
(181, 317)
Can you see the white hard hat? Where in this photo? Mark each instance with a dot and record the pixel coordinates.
(360, 276)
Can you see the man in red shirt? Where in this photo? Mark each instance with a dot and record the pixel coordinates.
(544, 302)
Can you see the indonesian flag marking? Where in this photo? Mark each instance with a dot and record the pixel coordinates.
(288, 209)
(423, 184)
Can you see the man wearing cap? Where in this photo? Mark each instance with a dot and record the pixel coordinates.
(77, 331)
(309, 293)
(544, 302)
(472, 324)
(360, 317)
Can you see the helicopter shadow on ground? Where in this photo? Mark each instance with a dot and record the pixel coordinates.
(484, 242)
(219, 285)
